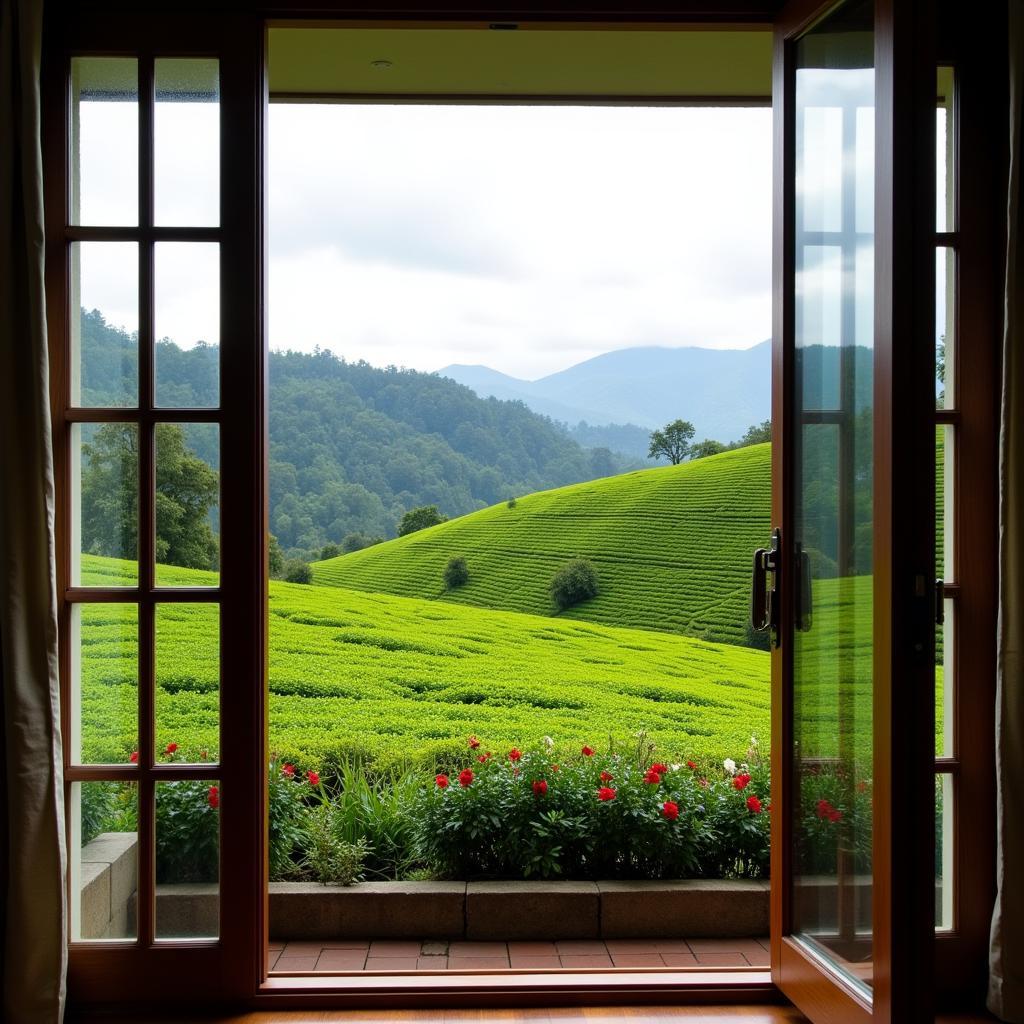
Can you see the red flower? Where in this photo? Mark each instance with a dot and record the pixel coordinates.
(691, 765)
(659, 767)
(134, 757)
(515, 754)
(540, 787)
(826, 810)
(607, 776)
(587, 751)
(670, 809)
(554, 767)
(703, 783)
(652, 777)
(465, 777)
(605, 793)
(170, 748)
(741, 781)
(288, 769)
(753, 805)
(314, 778)
(473, 743)
(213, 797)
(483, 758)
(442, 781)
(204, 755)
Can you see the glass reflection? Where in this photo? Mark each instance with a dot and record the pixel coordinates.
(834, 334)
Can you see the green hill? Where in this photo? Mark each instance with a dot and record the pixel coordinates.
(397, 680)
(671, 545)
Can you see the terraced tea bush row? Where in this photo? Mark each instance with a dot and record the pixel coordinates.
(671, 547)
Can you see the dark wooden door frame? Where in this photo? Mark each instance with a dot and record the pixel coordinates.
(101, 973)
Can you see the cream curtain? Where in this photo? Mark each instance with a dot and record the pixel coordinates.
(1006, 979)
(32, 851)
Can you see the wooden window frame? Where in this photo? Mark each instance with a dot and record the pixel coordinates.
(233, 967)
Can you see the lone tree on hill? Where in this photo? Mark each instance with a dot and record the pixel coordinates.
(574, 582)
(672, 441)
(419, 519)
(702, 449)
(456, 572)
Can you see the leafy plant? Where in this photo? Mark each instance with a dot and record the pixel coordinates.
(456, 572)
(328, 857)
(574, 582)
(419, 519)
(297, 571)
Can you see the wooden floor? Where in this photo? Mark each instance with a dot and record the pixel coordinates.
(582, 1015)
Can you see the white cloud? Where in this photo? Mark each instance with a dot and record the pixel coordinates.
(526, 238)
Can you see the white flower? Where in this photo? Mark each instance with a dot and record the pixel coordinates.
(548, 742)
(730, 765)
(753, 741)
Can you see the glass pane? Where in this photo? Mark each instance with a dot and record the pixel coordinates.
(944, 859)
(187, 504)
(187, 682)
(832, 649)
(945, 139)
(945, 502)
(819, 289)
(187, 324)
(945, 681)
(104, 324)
(105, 504)
(104, 860)
(187, 859)
(186, 165)
(104, 122)
(104, 683)
(945, 328)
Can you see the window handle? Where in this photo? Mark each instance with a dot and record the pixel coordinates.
(940, 603)
(764, 607)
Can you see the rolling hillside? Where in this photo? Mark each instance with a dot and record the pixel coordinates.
(398, 680)
(672, 548)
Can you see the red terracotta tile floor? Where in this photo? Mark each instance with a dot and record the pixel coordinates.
(346, 955)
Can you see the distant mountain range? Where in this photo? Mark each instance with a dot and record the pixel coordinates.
(720, 391)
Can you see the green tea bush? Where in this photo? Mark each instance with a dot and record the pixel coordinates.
(297, 571)
(576, 581)
(456, 572)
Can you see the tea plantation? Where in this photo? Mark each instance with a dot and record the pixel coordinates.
(397, 680)
(672, 548)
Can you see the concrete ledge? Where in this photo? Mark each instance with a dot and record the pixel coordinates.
(109, 878)
(486, 910)
(532, 910)
(694, 908)
(379, 910)
(188, 911)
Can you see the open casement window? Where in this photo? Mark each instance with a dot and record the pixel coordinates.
(852, 594)
(857, 786)
(126, 248)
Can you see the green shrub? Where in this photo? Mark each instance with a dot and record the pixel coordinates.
(419, 519)
(97, 807)
(297, 571)
(329, 858)
(456, 572)
(512, 502)
(329, 551)
(187, 831)
(576, 581)
(357, 541)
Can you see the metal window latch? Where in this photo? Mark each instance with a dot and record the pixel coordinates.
(940, 602)
(764, 606)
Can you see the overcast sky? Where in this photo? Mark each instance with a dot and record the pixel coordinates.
(524, 238)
